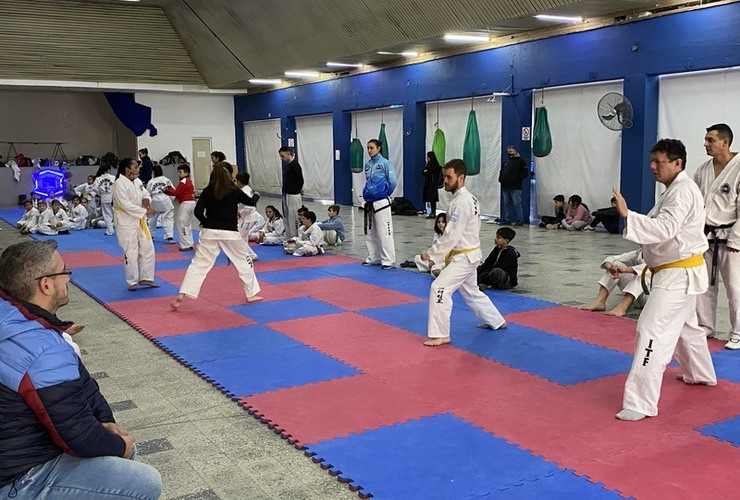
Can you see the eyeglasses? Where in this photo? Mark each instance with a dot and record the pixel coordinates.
(660, 162)
(67, 272)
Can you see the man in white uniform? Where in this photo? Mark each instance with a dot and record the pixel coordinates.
(719, 182)
(130, 208)
(459, 248)
(673, 242)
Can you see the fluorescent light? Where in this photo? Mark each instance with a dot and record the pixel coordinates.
(453, 37)
(559, 19)
(343, 65)
(130, 0)
(302, 74)
(264, 81)
(410, 54)
(404, 54)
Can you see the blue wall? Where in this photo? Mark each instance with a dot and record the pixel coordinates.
(638, 52)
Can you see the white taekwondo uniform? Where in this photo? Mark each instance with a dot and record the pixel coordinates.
(132, 230)
(671, 232)
(49, 219)
(104, 188)
(274, 232)
(79, 217)
(722, 204)
(162, 204)
(627, 283)
(460, 247)
(29, 220)
(308, 242)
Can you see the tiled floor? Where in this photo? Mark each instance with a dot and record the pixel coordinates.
(207, 447)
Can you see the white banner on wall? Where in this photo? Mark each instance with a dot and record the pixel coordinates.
(586, 156)
(315, 140)
(453, 120)
(262, 141)
(367, 124)
(691, 102)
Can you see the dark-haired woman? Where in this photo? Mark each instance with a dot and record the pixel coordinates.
(432, 177)
(217, 210)
(130, 208)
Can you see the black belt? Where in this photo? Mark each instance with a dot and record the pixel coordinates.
(369, 211)
(715, 247)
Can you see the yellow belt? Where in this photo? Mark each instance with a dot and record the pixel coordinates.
(452, 253)
(693, 261)
(142, 223)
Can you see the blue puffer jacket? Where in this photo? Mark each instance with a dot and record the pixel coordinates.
(380, 179)
(49, 402)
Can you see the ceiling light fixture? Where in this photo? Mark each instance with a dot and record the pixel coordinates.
(343, 65)
(559, 19)
(456, 37)
(404, 54)
(410, 54)
(302, 74)
(265, 81)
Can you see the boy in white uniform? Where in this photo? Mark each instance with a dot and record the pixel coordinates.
(719, 182)
(131, 206)
(673, 244)
(79, 214)
(54, 221)
(30, 218)
(103, 186)
(161, 203)
(87, 190)
(623, 271)
(309, 240)
(459, 249)
(250, 220)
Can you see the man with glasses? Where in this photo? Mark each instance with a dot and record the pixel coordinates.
(58, 437)
(673, 244)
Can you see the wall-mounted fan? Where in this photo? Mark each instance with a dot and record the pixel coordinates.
(615, 111)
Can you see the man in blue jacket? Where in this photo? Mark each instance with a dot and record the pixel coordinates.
(380, 182)
(58, 437)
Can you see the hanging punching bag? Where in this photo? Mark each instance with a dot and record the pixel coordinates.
(381, 137)
(541, 139)
(439, 145)
(471, 148)
(356, 153)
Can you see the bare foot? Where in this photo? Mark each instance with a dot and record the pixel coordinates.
(594, 306)
(133, 288)
(175, 304)
(437, 341)
(616, 312)
(149, 283)
(254, 298)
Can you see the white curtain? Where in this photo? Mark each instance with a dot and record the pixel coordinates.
(315, 141)
(262, 141)
(586, 156)
(691, 102)
(453, 120)
(367, 124)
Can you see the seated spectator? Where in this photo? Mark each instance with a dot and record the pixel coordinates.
(53, 220)
(500, 267)
(58, 437)
(577, 216)
(79, 214)
(550, 222)
(274, 230)
(310, 237)
(623, 271)
(608, 217)
(333, 227)
(424, 266)
(30, 218)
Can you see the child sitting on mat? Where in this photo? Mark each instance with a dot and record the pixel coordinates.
(309, 240)
(500, 267)
(274, 231)
(423, 266)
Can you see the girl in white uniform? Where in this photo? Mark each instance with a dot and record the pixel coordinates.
(274, 232)
(439, 229)
(161, 203)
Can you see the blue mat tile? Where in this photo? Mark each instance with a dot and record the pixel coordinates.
(729, 431)
(226, 343)
(85, 240)
(509, 303)
(281, 310)
(727, 365)
(168, 265)
(12, 215)
(108, 284)
(272, 370)
(560, 486)
(443, 457)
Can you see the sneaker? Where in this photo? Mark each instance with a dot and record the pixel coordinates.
(588, 228)
(408, 263)
(186, 249)
(170, 240)
(385, 268)
(733, 343)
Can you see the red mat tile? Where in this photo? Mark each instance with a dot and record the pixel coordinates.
(223, 286)
(159, 320)
(302, 263)
(351, 295)
(92, 258)
(338, 407)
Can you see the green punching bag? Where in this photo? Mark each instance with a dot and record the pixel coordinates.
(439, 145)
(541, 139)
(471, 148)
(356, 154)
(384, 142)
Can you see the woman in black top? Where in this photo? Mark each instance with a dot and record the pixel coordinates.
(432, 177)
(216, 210)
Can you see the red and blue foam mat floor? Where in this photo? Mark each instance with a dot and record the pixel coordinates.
(333, 361)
